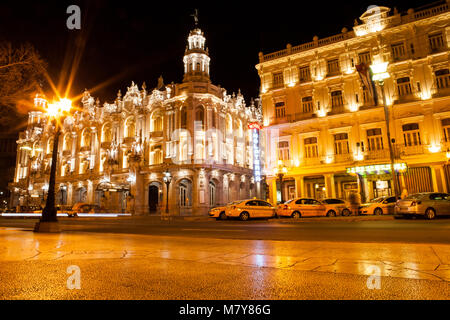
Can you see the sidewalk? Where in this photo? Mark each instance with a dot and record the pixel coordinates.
(411, 261)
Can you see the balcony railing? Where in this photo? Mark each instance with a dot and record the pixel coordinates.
(410, 150)
(377, 154)
(156, 134)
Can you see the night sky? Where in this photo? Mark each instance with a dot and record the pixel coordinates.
(141, 40)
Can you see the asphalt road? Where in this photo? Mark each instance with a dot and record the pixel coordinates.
(316, 229)
(145, 258)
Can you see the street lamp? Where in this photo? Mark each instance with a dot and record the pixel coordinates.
(167, 179)
(280, 171)
(379, 74)
(48, 221)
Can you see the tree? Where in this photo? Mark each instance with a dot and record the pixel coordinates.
(22, 72)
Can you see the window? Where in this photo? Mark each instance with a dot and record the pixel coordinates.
(183, 116)
(157, 155)
(366, 95)
(442, 78)
(278, 80)
(283, 150)
(304, 74)
(436, 42)
(341, 143)
(307, 104)
(446, 126)
(280, 111)
(199, 118)
(403, 86)
(336, 99)
(333, 67)
(375, 139)
(398, 51)
(411, 134)
(130, 128)
(364, 57)
(311, 148)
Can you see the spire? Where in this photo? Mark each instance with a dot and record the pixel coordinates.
(196, 58)
(195, 16)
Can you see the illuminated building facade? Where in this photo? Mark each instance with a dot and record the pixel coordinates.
(327, 124)
(116, 154)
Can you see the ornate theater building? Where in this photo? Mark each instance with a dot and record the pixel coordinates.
(117, 154)
(324, 117)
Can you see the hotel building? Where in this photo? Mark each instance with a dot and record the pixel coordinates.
(327, 125)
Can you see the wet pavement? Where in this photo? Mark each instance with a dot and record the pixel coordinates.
(136, 266)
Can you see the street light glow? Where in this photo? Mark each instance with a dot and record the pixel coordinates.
(379, 71)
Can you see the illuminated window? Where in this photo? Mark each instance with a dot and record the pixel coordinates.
(337, 99)
(130, 128)
(364, 57)
(280, 111)
(375, 139)
(199, 118)
(333, 67)
(404, 86)
(86, 138)
(283, 150)
(107, 133)
(157, 156)
(398, 51)
(446, 126)
(278, 80)
(304, 74)
(307, 104)
(341, 143)
(183, 116)
(442, 78)
(436, 42)
(411, 134)
(311, 147)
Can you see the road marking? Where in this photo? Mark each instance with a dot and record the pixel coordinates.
(213, 230)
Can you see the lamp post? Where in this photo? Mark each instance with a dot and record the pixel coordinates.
(167, 179)
(48, 221)
(280, 171)
(379, 71)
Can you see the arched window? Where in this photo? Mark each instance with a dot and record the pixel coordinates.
(183, 120)
(50, 145)
(86, 138)
(213, 118)
(199, 118)
(157, 122)
(157, 155)
(229, 124)
(67, 143)
(130, 127)
(107, 133)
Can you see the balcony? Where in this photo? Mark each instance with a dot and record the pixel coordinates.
(312, 161)
(409, 150)
(377, 154)
(441, 92)
(405, 98)
(290, 118)
(345, 157)
(156, 134)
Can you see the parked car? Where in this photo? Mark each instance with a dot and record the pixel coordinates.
(306, 207)
(379, 206)
(252, 208)
(82, 207)
(341, 207)
(219, 212)
(427, 204)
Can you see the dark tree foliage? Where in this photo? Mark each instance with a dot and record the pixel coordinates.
(22, 73)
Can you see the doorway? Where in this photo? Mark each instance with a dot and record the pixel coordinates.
(153, 197)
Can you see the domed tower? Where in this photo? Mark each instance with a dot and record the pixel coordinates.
(196, 58)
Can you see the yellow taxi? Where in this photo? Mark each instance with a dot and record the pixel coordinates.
(219, 212)
(306, 207)
(379, 206)
(251, 208)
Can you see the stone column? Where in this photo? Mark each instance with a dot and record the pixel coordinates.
(273, 191)
(434, 180)
(299, 186)
(329, 186)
